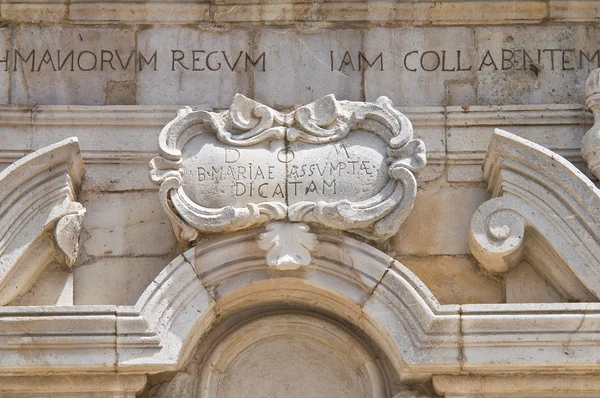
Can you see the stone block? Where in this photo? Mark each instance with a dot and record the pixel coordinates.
(525, 285)
(417, 63)
(456, 279)
(193, 66)
(574, 11)
(33, 12)
(5, 49)
(69, 65)
(470, 128)
(532, 65)
(117, 177)
(439, 221)
(126, 224)
(115, 280)
(16, 132)
(305, 66)
(84, 11)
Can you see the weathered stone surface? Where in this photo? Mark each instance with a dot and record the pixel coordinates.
(438, 223)
(426, 62)
(456, 279)
(523, 68)
(590, 143)
(126, 224)
(114, 280)
(299, 303)
(289, 66)
(200, 67)
(525, 285)
(309, 64)
(53, 64)
(335, 362)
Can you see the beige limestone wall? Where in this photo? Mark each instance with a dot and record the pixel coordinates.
(447, 65)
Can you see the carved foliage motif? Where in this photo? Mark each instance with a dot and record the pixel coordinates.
(288, 245)
(326, 121)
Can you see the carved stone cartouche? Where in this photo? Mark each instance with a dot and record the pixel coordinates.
(341, 164)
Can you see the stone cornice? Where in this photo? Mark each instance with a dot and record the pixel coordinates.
(365, 288)
(424, 12)
(455, 136)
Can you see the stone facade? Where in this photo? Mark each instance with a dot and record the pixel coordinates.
(299, 199)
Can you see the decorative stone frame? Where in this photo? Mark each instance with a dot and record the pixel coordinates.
(327, 120)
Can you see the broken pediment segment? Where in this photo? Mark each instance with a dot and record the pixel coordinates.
(543, 210)
(341, 164)
(590, 144)
(40, 219)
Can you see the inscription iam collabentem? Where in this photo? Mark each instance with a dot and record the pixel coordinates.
(216, 60)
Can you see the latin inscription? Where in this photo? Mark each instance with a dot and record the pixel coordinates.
(256, 180)
(352, 168)
(242, 60)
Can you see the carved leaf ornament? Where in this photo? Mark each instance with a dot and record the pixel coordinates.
(342, 164)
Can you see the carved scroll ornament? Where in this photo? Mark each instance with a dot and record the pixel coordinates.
(345, 165)
(543, 210)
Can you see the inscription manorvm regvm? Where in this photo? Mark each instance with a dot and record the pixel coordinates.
(341, 164)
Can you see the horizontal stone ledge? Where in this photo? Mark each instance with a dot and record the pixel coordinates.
(460, 12)
(455, 136)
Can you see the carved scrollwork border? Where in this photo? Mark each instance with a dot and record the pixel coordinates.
(326, 120)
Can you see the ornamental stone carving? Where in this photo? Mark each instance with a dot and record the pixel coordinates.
(543, 210)
(590, 144)
(40, 219)
(341, 164)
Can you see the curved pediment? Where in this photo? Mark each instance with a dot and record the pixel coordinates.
(39, 216)
(543, 210)
(346, 279)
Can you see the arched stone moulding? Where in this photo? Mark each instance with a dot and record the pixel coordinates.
(543, 210)
(347, 280)
(39, 216)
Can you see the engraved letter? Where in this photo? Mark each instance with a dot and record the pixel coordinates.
(81, 56)
(177, 56)
(196, 59)
(405, 58)
(104, 58)
(147, 62)
(259, 190)
(201, 174)
(583, 55)
(46, 59)
(361, 58)
(249, 59)
(232, 155)
(208, 61)
(239, 192)
(236, 61)
(124, 66)
(507, 57)
(347, 60)
(5, 61)
(437, 61)
(488, 63)
(18, 55)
